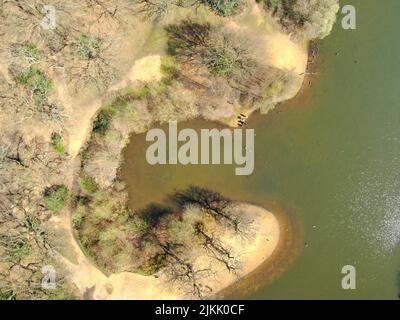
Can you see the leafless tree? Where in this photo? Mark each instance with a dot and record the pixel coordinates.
(183, 273)
(25, 244)
(157, 9)
(90, 62)
(216, 249)
(212, 202)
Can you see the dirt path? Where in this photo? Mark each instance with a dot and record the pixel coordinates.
(83, 273)
(82, 111)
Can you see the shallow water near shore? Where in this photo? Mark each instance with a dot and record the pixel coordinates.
(327, 160)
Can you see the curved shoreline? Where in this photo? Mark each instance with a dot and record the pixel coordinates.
(285, 253)
(92, 283)
(81, 144)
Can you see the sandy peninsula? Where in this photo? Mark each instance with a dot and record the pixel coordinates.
(94, 284)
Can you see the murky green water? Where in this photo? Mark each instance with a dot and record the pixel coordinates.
(330, 158)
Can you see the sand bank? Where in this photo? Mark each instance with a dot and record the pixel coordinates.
(92, 283)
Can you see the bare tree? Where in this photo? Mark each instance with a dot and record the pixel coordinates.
(157, 9)
(90, 62)
(23, 18)
(213, 204)
(216, 249)
(183, 273)
(25, 243)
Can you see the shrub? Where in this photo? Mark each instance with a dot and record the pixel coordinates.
(87, 46)
(312, 18)
(320, 16)
(57, 140)
(220, 61)
(167, 65)
(102, 122)
(159, 8)
(226, 55)
(222, 52)
(17, 250)
(88, 184)
(78, 216)
(7, 294)
(141, 93)
(275, 88)
(110, 233)
(55, 198)
(137, 225)
(30, 52)
(152, 266)
(225, 8)
(92, 65)
(35, 80)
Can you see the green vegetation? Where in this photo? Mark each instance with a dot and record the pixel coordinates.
(7, 294)
(101, 124)
(225, 56)
(223, 53)
(91, 62)
(225, 8)
(122, 107)
(88, 184)
(159, 8)
(141, 93)
(36, 81)
(167, 66)
(86, 46)
(222, 63)
(31, 52)
(124, 112)
(138, 225)
(310, 18)
(234, 69)
(156, 239)
(57, 142)
(55, 198)
(78, 215)
(17, 250)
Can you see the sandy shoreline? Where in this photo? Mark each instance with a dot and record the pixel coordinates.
(262, 247)
(92, 283)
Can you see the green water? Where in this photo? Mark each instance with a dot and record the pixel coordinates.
(330, 158)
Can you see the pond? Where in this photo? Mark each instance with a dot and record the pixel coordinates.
(327, 162)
